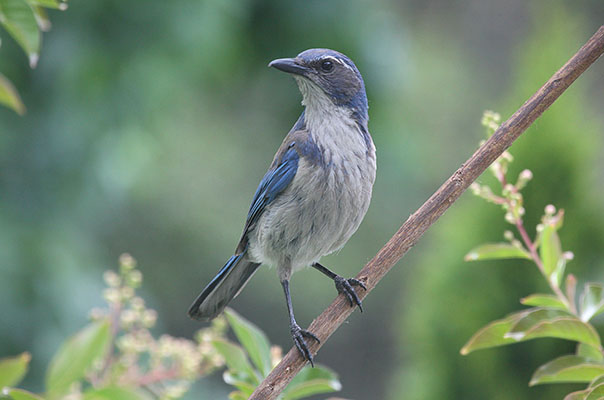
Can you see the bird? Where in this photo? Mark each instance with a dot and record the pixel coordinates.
(315, 193)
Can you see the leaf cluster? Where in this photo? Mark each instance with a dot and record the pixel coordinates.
(555, 315)
(115, 357)
(24, 20)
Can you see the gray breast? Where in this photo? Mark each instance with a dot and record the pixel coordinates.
(323, 206)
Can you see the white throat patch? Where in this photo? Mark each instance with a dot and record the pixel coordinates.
(320, 108)
(332, 127)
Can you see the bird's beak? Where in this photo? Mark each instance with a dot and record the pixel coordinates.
(289, 65)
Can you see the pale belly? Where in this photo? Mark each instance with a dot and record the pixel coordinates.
(314, 216)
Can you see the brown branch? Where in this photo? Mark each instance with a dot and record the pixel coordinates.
(411, 231)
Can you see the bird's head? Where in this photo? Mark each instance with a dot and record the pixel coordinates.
(327, 74)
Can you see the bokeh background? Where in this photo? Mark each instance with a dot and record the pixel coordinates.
(150, 124)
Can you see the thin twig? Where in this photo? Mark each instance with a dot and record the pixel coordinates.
(411, 231)
(114, 326)
(157, 376)
(537, 260)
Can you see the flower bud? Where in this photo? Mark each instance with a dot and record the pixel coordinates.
(111, 295)
(111, 278)
(127, 262)
(134, 278)
(149, 318)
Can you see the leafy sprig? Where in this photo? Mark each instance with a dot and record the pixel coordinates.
(24, 20)
(116, 356)
(555, 315)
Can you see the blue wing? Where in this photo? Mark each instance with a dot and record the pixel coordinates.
(274, 182)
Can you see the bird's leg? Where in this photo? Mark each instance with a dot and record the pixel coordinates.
(344, 286)
(298, 334)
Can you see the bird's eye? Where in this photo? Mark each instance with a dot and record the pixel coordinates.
(326, 66)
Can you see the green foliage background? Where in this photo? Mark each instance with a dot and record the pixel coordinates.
(149, 126)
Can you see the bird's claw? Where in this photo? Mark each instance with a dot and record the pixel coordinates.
(298, 335)
(345, 286)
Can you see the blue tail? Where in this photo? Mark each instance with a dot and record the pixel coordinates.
(223, 288)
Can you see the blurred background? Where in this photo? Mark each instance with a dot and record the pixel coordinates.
(150, 124)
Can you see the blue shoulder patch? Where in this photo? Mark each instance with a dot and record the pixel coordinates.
(309, 150)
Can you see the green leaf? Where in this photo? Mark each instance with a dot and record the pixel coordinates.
(19, 394)
(569, 368)
(544, 322)
(113, 393)
(543, 300)
(580, 395)
(13, 369)
(41, 18)
(240, 382)
(494, 251)
(75, 356)
(312, 387)
(492, 335)
(597, 381)
(9, 96)
(592, 301)
(312, 381)
(595, 393)
(307, 373)
(237, 396)
(18, 19)
(550, 251)
(253, 340)
(589, 352)
(56, 4)
(236, 359)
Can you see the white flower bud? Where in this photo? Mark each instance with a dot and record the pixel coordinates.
(509, 217)
(96, 314)
(111, 278)
(276, 355)
(475, 188)
(568, 255)
(176, 390)
(128, 318)
(517, 243)
(149, 318)
(127, 292)
(135, 277)
(137, 303)
(111, 295)
(127, 262)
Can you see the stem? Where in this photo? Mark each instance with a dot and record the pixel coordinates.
(533, 251)
(114, 323)
(157, 376)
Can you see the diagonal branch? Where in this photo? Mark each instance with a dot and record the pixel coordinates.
(411, 231)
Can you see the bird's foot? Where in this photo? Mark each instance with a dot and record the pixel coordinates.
(298, 334)
(345, 286)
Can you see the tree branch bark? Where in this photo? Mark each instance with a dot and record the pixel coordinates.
(415, 226)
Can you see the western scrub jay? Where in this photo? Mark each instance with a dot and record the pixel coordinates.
(315, 193)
